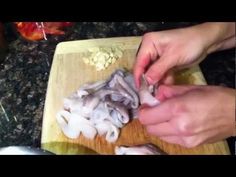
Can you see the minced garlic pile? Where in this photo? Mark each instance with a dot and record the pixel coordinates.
(102, 57)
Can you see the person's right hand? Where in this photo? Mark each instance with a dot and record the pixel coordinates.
(166, 50)
(162, 51)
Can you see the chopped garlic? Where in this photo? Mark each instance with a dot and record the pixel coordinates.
(102, 57)
(86, 60)
(113, 60)
(106, 64)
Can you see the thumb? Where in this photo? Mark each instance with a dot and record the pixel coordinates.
(158, 69)
(168, 91)
(168, 79)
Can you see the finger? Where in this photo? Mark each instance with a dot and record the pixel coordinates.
(172, 139)
(168, 91)
(168, 79)
(157, 70)
(156, 114)
(187, 142)
(146, 54)
(142, 62)
(162, 129)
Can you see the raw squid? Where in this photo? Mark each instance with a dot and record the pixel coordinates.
(103, 107)
(146, 93)
(146, 149)
(73, 124)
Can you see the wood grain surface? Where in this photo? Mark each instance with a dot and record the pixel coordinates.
(69, 72)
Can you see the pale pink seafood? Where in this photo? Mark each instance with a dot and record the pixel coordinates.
(104, 107)
(145, 149)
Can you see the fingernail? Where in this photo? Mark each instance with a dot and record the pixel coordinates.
(149, 79)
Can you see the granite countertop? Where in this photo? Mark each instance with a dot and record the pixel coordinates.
(24, 74)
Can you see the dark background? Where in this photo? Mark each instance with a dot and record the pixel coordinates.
(25, 70)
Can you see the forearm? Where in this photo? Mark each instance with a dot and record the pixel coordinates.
(216, 35)
(234, 117)
(226, 44)
(233, 108)
(223, 45)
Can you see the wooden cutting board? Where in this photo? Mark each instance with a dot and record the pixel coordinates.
(69, 72)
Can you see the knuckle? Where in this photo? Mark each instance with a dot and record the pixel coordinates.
(189, 142)
(184, 127)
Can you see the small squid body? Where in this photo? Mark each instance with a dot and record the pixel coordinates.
(146, 149)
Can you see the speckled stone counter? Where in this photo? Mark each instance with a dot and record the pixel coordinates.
(25, 71)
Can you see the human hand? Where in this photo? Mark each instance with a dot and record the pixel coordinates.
(160, 52)
(191, 115)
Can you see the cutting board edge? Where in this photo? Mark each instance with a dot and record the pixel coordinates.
(43, 138)
(74, 46)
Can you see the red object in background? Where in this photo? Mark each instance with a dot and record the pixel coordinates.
(38, 30)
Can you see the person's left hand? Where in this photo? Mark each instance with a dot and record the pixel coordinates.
(191, 115)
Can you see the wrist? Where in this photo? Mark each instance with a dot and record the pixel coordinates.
(232, 109)
(212, 34)
(227, 113)
(234, 132)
